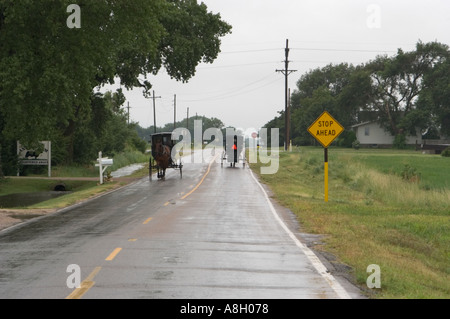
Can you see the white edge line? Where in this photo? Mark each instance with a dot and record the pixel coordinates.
(340, 291)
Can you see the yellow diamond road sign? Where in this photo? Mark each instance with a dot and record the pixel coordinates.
(325, 129)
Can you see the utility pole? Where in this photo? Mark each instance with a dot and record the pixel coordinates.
(289, 119)
(128, 107)
(187, 119)
(286, 73)
(154, 111)
(174, 111)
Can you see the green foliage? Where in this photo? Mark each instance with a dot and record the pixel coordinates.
(399, 141)
(105, 130)
(48, 71)
(8, 158)
(128, 157)
(277, 122)
(384, 215)
(144, 133)
(399, 82)
(407, 91)
(446, 152)
(436, 96)
(328, 89)
(356, 145)
(137, 143)
(410, 174)
(346, 139)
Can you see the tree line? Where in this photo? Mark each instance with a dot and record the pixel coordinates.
(207, 122)
(403, 92)
(49, 71)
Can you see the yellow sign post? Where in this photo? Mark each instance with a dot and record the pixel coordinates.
(325, 129)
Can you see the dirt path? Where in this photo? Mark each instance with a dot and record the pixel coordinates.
(11, 217)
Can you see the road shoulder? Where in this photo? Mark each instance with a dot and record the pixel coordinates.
(340, 271)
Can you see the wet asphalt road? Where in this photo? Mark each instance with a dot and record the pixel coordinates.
(211, 234)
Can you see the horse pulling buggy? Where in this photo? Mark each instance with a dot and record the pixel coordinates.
(161, 159)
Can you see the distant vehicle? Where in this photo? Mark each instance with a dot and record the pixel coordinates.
(233, 150)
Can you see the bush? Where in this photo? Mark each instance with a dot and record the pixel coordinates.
(356, 145)
(446, 152)
(138, 143)
(410, 174)
(346, 139)
(400, 141)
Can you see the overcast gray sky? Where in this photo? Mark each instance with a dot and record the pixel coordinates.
(242, 88)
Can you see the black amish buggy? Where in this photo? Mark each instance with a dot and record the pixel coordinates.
(161, 158)
(233, 150)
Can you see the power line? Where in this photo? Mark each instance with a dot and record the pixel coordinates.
(234, 92)
(343, 50)
(310, 49)
(235, 65)
(286, 73)
(250, 51)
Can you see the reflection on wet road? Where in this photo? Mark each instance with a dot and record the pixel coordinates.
(211, 234)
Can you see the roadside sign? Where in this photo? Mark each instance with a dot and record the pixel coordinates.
(32, 157)
(325, 129)
(254, 135)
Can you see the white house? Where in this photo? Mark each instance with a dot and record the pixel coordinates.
(372, 134)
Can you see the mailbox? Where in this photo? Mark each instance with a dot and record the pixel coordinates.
(102, 164)
(107, 161)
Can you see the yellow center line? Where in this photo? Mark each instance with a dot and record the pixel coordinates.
(147, 220)
(88, 283)
(203, 178)
(113, 254)
(85, 285)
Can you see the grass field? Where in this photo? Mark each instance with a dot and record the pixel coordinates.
(386, 207)
(120, 160)
(81, 189)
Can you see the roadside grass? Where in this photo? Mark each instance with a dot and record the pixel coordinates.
(17, 185)
(120, 160)
(128, 158)
(374, 215)
(90, 190)
(74, 171)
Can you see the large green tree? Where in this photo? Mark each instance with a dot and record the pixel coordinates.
(398, 83)
(48, 71)
(340, 89)
(404, 92)
(435, 99)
